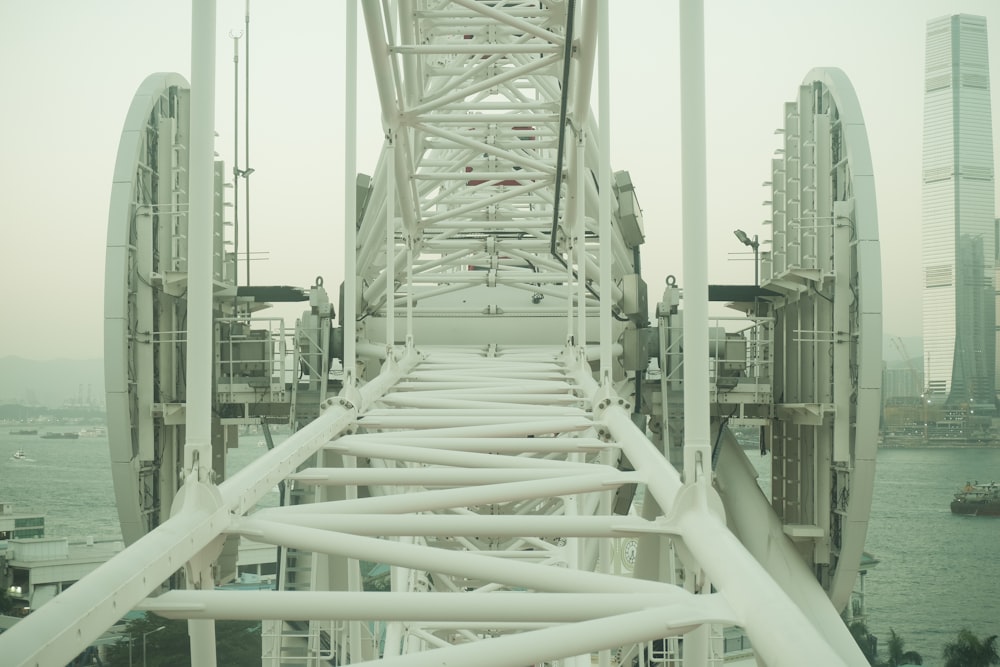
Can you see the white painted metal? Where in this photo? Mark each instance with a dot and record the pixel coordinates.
(476, 132)
(78, 616)
(697, 451)
(200, 288)
(137, 285)
(484, 462)
(198, 465)
(349, 315)
(604, 173)
(762, 533)
(825, 263)
(502, 608)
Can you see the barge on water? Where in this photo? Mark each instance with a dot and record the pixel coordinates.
(977, 499)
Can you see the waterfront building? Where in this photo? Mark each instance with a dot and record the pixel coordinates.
(34, 567)
(37, 569)
(996, 301)
(959, 254)
(901, 383)
(19, 523)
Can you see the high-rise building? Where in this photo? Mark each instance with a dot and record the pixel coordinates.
(959, 243)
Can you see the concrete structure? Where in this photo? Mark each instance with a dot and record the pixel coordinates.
(958, 215)
(16, 523)
(37, 569)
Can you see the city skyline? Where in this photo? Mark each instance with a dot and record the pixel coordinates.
(959, 214)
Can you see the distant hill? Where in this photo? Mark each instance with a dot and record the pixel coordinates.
(52, 383)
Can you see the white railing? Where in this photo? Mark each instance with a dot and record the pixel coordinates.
(255, 362)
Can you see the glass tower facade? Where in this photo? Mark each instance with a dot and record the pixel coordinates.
(959, 241)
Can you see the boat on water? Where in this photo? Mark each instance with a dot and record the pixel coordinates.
(19, 455)
(977, 499)
(24, 431)
(61, 435)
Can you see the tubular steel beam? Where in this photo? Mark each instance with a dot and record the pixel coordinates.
(502, 607)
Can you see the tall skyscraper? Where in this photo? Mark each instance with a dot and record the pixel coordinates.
(959, 244)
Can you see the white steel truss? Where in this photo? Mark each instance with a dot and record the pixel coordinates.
(487, 117)
(484, 446)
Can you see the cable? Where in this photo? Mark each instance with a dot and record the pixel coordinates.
(716, 450)
(563, 105)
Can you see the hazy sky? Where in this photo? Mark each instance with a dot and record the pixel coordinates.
(69, 69)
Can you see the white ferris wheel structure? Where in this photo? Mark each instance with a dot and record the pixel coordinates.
(540, 457)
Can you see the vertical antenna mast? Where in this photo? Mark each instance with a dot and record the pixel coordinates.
(246, 129)
(236, 34)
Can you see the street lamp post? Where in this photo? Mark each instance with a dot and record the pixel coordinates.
(754, 244)
(144, 635)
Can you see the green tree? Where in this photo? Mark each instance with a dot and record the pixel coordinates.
(898, 656)
(6, 603)
(969, 651)
(867, 642)
(166, 643)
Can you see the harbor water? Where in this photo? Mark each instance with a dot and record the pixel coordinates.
(937, 572)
